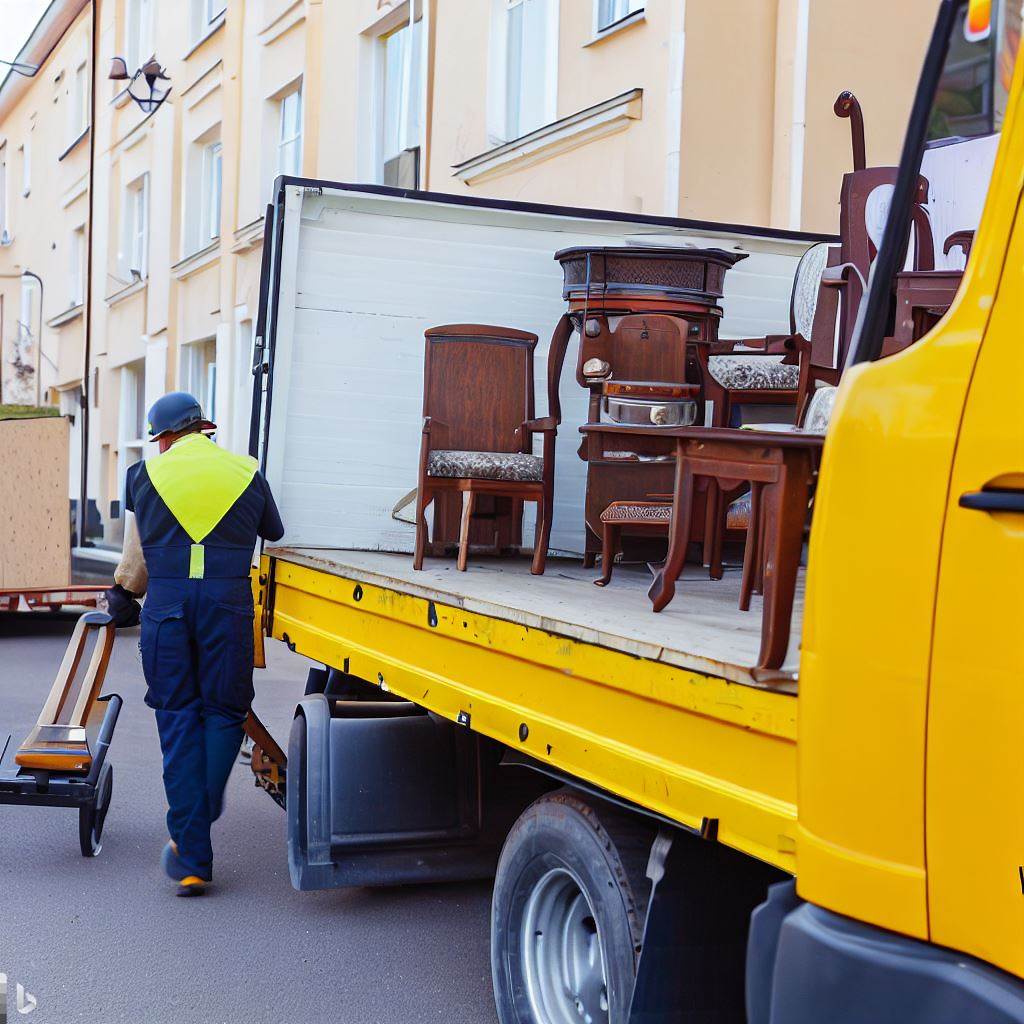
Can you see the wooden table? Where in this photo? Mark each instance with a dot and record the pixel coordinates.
(779, 466)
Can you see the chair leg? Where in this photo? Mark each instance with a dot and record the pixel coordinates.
(542, 535)
(467, 515)
(751, 548)
(610, 534)
(715, 570)
(423, 499)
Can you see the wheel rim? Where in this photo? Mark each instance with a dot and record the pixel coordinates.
(563, 960)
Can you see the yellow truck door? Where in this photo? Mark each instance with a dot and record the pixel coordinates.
(975, 751)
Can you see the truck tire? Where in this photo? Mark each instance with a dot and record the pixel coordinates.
(567, 917)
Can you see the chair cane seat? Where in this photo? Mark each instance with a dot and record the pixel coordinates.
(463, 465)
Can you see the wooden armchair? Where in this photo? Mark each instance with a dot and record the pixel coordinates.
(478, 428)
(764, 371)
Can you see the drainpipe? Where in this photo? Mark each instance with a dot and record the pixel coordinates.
(799, 115)
(674, 109)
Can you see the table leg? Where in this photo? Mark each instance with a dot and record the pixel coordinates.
(784, 505)
(663, 588)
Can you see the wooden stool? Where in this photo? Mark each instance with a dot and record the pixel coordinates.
(640, 516)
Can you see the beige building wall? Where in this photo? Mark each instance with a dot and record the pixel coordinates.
(705, 109)
(44, 180)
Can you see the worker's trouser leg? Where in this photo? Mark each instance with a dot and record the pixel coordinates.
(197, 656)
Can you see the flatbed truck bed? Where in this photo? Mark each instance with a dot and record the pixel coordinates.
(661, 711)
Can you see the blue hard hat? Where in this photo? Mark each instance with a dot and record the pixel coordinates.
(175, 411)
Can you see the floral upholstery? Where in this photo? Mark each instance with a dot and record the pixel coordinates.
(486, 466)
(739, 372)
(819, 410)
(637, 512)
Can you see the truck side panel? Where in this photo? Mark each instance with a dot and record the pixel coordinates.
(699, 750)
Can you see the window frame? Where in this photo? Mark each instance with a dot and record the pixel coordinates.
(138, 33)
(211, 191)
(4, 222)
(134, 253)
(76, 267)
(200, 377)
(205, 16)
(410, 91)
(78, 108)
(633, 8)
(291, 143)
(499, 129)
(26, 164)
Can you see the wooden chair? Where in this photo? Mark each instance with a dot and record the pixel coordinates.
(764, 371)
(478, 428)
(59, 742)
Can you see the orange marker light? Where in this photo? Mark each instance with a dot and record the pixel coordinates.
(979, 20)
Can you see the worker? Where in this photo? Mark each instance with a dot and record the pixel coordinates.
(198, 510)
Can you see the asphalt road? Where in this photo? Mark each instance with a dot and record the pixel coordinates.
(106, 940)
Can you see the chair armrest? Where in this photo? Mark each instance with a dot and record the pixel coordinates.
(538, 426)
(769, 343)
(431, 425)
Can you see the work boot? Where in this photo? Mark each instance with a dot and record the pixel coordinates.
(188, 885)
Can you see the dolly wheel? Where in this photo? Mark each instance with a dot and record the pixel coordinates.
(92, 815)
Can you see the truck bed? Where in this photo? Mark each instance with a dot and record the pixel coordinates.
(702, 629)
(660, 710)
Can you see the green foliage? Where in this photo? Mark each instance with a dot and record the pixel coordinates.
(26, 412)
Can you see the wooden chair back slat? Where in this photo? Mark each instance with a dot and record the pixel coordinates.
(478, 382)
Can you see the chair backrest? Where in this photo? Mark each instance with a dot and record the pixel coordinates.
(478, 382)
(863, 209)
(819, 410)
(803, 299)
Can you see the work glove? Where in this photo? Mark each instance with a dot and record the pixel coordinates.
(122, 607)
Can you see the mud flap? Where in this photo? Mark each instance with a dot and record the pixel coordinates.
(381, 793)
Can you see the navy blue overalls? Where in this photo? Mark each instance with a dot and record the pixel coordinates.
(199, 510)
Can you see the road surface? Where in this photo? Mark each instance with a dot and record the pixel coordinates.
(106, 940)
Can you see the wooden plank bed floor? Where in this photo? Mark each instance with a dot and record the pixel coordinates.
(702, 629)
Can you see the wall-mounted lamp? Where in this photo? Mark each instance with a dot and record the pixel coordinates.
(151, 72)
(28, 70)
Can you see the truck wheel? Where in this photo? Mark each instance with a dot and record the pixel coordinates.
(568, 912)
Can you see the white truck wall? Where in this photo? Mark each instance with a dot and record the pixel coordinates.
(364, 276)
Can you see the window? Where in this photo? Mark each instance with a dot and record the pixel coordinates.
(975, 82)
(610, 12)
(138, 44)
(4, 234)
(208, 223)
(78, 108)
(206, 15)
(199, 373)
(76, 268)
(289, 138)
(131, 421)
(401, 106)
(523, 67)
(25, 149)
(133, 259)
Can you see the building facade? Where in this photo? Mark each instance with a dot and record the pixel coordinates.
(707, 109)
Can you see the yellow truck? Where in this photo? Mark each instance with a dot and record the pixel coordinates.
(673, 836)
